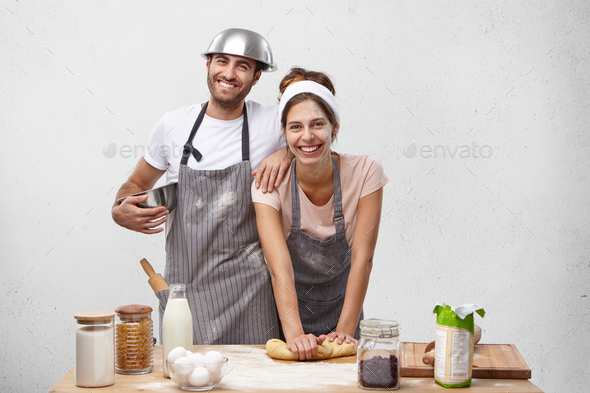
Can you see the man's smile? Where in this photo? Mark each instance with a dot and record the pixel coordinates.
(227, 85)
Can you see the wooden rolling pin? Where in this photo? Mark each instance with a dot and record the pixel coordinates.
(428, 357)
(155, 280)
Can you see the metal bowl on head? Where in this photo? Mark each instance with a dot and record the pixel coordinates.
(245, 43)
(161, 196)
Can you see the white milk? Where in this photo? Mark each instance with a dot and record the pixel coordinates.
(95, 356)
(177, 329)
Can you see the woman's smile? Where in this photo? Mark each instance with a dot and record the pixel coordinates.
(310, 149)
(309, 133)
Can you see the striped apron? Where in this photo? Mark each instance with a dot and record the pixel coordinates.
(320, 267)
(213, 248)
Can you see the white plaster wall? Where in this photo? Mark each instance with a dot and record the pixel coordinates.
(509, 231)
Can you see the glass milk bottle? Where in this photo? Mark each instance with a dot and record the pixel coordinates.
(177, 324)
(95, 349)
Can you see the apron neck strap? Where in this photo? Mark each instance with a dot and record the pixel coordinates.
(245, 136)
(338, 216)
(189, 149)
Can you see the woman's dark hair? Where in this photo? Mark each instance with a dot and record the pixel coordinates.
(299, 74)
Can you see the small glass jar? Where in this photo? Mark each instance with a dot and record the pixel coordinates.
(95, 349)
(378, 355)
(134, 339)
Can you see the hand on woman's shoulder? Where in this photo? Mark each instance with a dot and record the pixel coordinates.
(274, 198)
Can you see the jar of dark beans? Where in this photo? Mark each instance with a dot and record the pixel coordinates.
(378, 355)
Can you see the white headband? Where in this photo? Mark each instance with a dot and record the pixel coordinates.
(310, 87)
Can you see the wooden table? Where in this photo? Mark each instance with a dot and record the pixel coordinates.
(250, 369)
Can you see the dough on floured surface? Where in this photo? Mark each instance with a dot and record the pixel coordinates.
(339, 350)
(277, 349)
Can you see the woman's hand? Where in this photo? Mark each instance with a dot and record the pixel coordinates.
(305, 346)
(342, 337)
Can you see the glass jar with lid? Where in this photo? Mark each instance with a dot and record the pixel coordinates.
(95, 349)
(134, 339)
(378, 355)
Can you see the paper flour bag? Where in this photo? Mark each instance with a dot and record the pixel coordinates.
(453, 352)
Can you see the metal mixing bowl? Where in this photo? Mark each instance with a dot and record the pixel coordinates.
(245, 43)
(161, 196)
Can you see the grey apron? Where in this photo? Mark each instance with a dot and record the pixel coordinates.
(213, 248)
(320, 267)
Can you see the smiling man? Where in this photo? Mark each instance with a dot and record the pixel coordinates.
(212, 244)
(230, 79)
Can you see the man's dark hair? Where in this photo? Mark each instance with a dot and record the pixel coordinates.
(259, 65)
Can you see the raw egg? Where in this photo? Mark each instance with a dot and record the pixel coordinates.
(213, 360)
(183, 366)
(199, 376)
(176, 353)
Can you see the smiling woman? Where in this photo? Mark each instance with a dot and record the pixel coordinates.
(319, 227)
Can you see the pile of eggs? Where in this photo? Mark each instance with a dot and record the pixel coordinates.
(195, 369)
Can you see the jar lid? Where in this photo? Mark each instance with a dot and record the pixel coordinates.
(89, 318)
(132, 309)
(381, 328)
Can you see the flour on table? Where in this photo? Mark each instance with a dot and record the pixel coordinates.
(155, 386)
(255, 370)
(410, 382)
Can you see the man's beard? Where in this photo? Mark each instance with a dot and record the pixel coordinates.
(227, 102)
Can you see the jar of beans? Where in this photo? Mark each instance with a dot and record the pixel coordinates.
(378, 355)
(134, 339)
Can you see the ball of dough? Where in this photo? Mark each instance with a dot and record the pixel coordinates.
(340, 350)
(277, 349)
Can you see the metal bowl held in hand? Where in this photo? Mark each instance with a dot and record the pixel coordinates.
(245, 43)
(161, 196)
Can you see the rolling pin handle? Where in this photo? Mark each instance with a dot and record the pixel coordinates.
(147, 268)
(155, 280)
(428, 358)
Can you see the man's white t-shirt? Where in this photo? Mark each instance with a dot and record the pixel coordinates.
(219, 141)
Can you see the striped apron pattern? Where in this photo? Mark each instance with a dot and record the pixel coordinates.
(320, 267)
(213, 248)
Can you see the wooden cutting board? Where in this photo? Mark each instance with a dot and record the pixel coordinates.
(489, 361)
